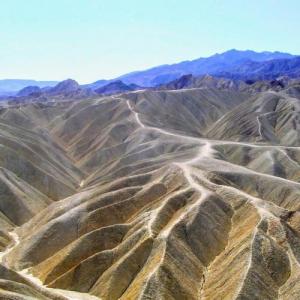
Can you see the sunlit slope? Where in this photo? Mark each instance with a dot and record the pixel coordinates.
(271, 117)
(190, 194)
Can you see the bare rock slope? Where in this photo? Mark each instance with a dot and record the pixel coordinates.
(185, 194)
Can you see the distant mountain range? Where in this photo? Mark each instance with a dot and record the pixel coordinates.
(232, 64)
(11, 86)
(65, 89)
(253, 70)
(218, 64)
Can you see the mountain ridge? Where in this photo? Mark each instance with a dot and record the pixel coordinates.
(11, 86)
(201, 66)
(219, 64)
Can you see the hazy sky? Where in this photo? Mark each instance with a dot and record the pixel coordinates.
(93, 39)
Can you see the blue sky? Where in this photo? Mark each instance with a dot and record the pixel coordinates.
(93, 39)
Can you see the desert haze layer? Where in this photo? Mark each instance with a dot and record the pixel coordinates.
(170, 194)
